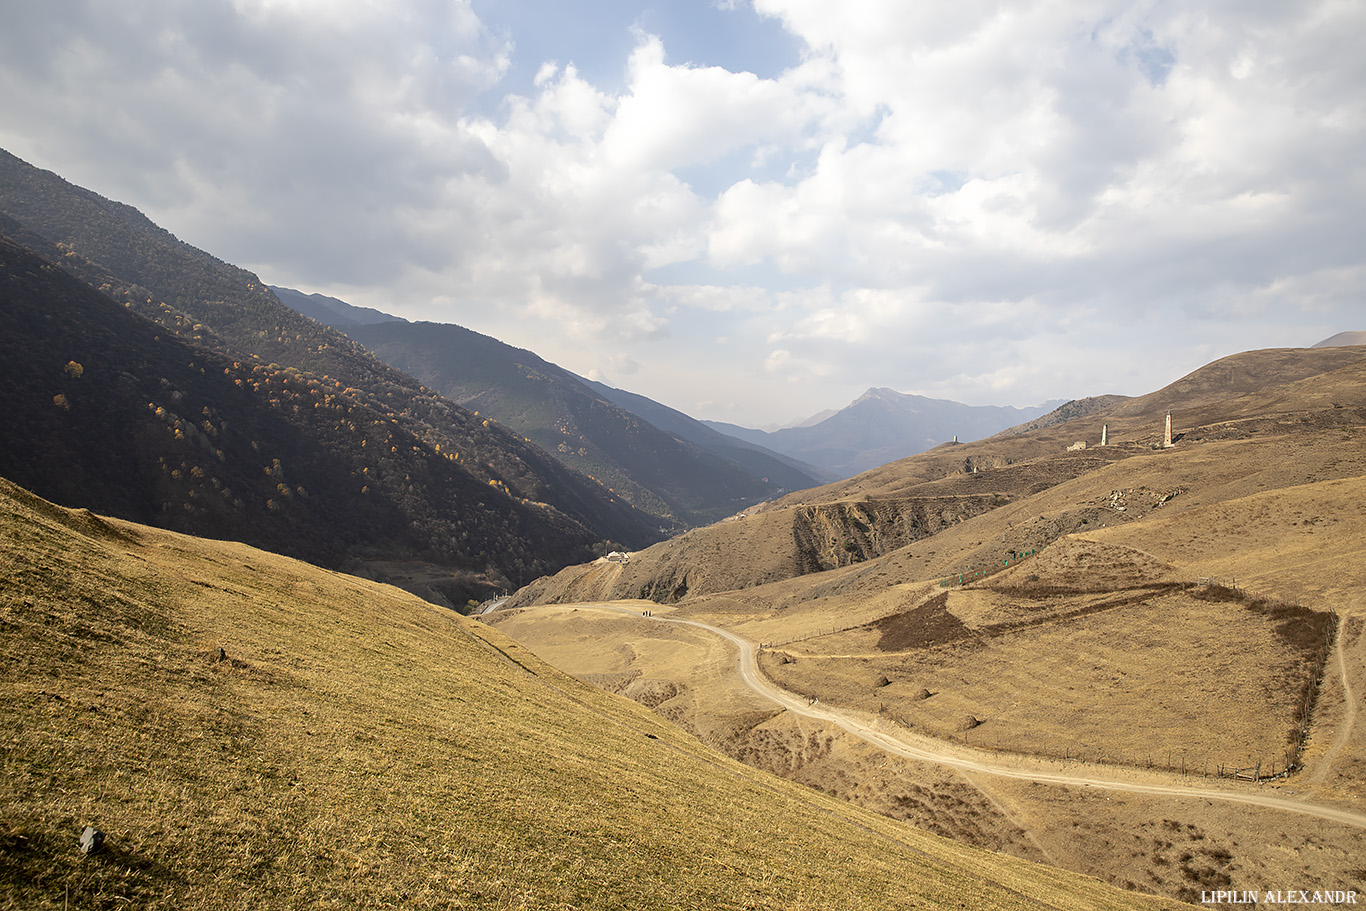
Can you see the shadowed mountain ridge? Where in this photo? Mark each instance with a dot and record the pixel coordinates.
(206, 302)
(663, 473)
(103, 408)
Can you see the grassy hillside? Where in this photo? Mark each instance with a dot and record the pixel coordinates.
(253, 732)
(1085, 651)
(1185, 618)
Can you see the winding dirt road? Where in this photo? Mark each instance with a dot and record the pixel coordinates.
(900, 742)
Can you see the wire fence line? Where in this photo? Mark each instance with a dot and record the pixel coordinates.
(973, 575)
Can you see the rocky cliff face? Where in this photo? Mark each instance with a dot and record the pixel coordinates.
(840, 534)
(764, 547)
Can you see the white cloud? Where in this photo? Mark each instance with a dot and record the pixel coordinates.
(674, 116)
(1026, 177)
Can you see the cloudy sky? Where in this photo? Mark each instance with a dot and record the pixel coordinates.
(751, 210)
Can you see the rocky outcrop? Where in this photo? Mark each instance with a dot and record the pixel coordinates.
(841, 534)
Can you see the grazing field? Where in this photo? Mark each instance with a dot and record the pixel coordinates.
(1304, 543)
(1167, 843)
(1163, 674)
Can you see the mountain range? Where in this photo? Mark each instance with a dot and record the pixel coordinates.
(499, 417)
(881, 426)
(684, 481)
(867, 517)
(577, 420)
(543, 401)
(661, 474)
(476, 504)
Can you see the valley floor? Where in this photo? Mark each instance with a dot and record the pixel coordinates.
(1145, 829)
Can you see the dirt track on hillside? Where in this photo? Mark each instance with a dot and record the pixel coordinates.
(899, 742)
(1349, 710)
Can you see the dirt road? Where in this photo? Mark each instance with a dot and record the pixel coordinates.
(898, 741)
(1349, 711)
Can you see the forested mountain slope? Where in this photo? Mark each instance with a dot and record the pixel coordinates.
(105, 409)
(208, 303)
(191, 293)
(655, 470)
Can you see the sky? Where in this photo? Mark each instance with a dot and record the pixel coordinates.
(749, 210)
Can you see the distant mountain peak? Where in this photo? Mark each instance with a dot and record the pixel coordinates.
(883, 425)
(1343, 339)
(881, 394)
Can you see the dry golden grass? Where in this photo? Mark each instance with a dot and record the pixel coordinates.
(1181, 848)
(1123, 838)
(690, 679)
(688, 676)
(1304, 543)
(766, 616)
(1143, 677)
(354, 747)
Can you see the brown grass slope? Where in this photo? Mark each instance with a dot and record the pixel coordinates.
(1168, 845)
(1050, 660)
(253, 732)
(1104, 644)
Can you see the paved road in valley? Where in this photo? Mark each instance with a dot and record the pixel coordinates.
(903, 743)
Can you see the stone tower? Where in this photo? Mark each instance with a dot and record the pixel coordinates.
(1167, 434)
(1104, 434)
